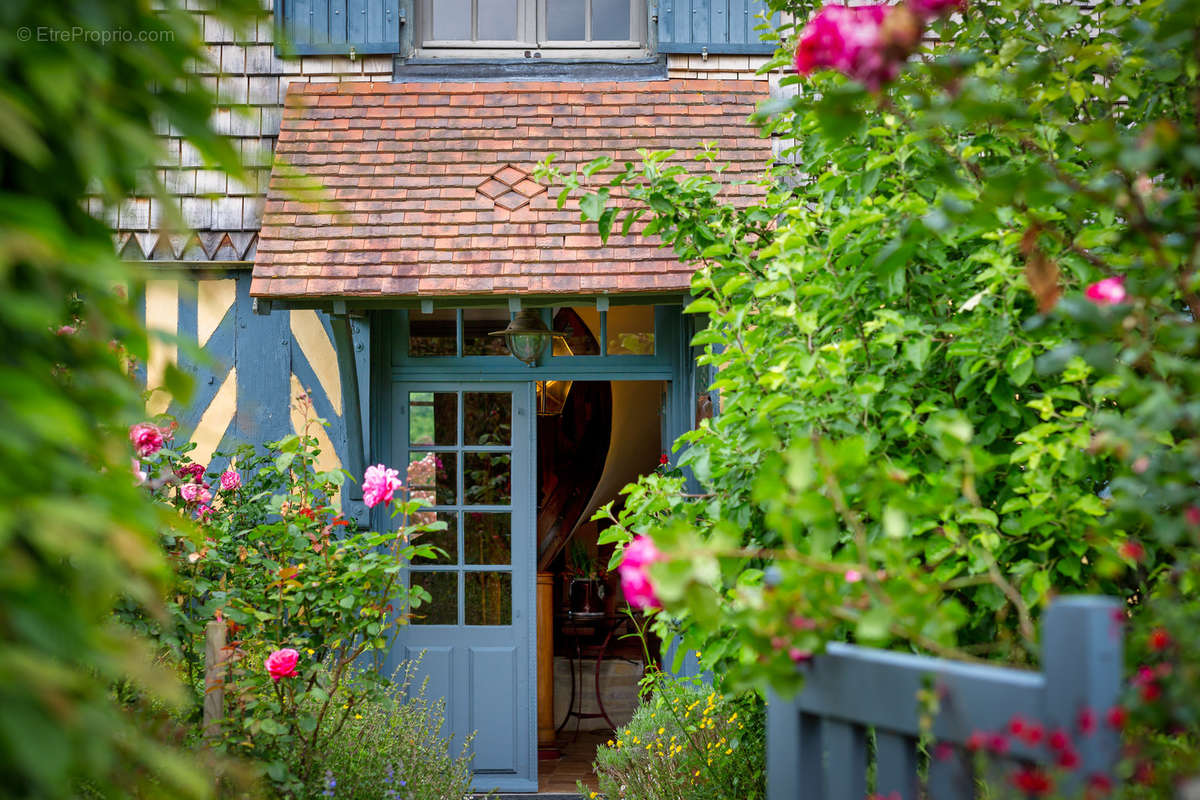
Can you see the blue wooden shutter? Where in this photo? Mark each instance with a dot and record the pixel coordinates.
(315, 27)
(713, 26)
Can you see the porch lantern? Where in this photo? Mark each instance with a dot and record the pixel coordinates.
(527, 336)
(552, 395)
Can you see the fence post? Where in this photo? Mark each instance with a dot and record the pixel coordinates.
(215, 663)
(1083, 661)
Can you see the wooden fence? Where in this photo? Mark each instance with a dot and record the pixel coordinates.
(819, 744)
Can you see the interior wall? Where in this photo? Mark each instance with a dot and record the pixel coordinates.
(636, 442)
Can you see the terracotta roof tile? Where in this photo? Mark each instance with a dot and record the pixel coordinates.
(386, 189)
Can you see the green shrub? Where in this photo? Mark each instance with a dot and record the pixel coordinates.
(687, 741)
(278, 565)
(393, 747)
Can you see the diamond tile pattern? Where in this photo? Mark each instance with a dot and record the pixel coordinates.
(426, 188)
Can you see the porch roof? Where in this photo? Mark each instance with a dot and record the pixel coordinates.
(425, 188)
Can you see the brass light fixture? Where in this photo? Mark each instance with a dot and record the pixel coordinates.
(552, 395)
(527, 336)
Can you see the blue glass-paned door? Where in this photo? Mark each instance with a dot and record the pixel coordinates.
(470, 459)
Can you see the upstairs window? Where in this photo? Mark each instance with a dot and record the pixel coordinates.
(550, 27)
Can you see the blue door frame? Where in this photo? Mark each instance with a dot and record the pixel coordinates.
(393, 373)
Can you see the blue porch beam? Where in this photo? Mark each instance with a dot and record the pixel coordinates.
(343, 344)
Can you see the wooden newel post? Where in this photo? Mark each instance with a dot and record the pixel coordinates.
(545, 665)
(1082, 659)
(215, 664)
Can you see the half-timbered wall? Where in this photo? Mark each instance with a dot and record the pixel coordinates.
(249, 369)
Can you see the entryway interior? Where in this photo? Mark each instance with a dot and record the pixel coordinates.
(593, 438)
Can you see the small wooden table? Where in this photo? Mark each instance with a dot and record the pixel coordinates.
(577, 629)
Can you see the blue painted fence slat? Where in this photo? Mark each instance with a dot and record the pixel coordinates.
(711, 26)
(895, 765)
(950, 777)
(814, 742)
(845, 760)
(315, 27)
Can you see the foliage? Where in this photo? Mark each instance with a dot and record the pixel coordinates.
(686, 741)
(915, 443)
(276, 568)
(393, 748)
(83, 87)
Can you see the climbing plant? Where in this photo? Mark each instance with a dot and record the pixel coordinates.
(953, 337)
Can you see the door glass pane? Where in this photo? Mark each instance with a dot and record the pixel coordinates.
(433, 334)
(487, 538)
(432, 418)
(487, 479)
(451, 19)
(447, 540)
(478, 324)
(487, 418)
(432, 478)
(610, 20)
(581, 327)
(631, 330)
(565, 20)
(497, 20)
(443, 587)
(489, 598)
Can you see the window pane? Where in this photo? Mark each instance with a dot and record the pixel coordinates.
(443, 586)
(610, 20)
(582, 328)
(446, 540)
(451, 19)
(497, 20)
(478, 323)
(432, 334)
(488, 418)
(565, 20)
(432, 418)
(489, 598)
(487, 479)
(487, 538)
(432, 477)
(631, 330)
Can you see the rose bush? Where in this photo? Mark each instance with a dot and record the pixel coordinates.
(310, 606)
(954, 341)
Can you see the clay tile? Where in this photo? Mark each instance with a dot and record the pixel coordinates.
(529, 187)
(510, 175)
(511, 201)
(492, 188)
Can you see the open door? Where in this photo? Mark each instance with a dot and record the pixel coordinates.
(470, 453)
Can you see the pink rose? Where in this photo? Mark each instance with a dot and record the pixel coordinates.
(928, 9)
(195, 493)
(379, 485)
(147, 439)
(191, 472)
(282, 664)
(1107, 292)
(851, 41)
(230, 480)
(853, 576)
(635, 582)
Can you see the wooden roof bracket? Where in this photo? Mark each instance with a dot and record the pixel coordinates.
(343, 344)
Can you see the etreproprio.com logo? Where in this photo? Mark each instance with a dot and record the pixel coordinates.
(81, 35)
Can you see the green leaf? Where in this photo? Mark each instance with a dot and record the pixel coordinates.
(592, 205)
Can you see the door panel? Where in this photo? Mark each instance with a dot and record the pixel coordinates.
(470, 459)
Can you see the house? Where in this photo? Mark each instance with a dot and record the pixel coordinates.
(390, 226)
